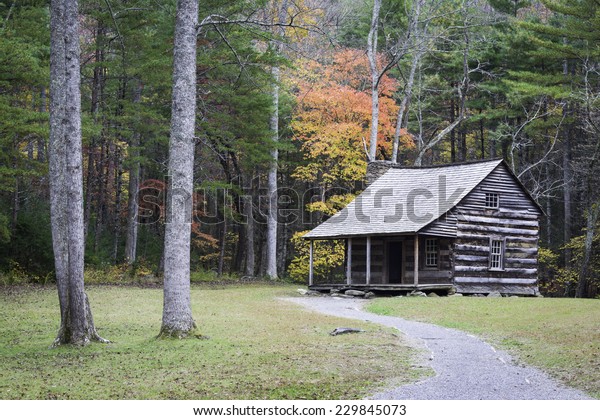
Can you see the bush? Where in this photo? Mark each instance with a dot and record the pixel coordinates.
(120, 274)
(328, 258)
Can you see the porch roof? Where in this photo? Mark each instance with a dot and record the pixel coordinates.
(405, 200)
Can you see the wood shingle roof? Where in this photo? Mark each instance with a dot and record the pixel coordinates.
(405, 200)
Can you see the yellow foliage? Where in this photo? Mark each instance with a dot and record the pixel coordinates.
(330, 207)
(327, 257)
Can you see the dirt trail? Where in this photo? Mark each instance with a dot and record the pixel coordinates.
(466, 367)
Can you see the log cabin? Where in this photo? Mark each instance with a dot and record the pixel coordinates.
(471, 227)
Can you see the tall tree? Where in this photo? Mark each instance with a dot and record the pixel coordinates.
(272, 222)
(66, 177)
(569, 38)
(134, 185)
(177, 312)
(375, 77)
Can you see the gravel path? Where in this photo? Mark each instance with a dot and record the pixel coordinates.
(466, 367)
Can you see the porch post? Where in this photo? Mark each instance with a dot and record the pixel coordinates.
(349, 263)
(310, 264)
(368, 260)
(416, 271)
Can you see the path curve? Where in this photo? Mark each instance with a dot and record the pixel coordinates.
(466, 367)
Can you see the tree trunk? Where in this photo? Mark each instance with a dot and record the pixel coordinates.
(567, 194)
(41, 144)
(250, 250)
(16, 203)
(66, 178)
(89, 185)
(549, 212)
(404, 105)
(418, 47)
(134, 186)
(95, 162)
(453, 132)
(237, 264)
(271, 269)
(117, 215)
(271, 245)
(100, 200)
(462, 135)
(223, 246)
(584, 272)
(372, 55)
(482, 135)
(177, 318)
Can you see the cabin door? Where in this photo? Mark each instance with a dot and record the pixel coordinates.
(394, 262)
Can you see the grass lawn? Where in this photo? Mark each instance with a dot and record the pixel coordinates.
(260, 347)
(561, 336)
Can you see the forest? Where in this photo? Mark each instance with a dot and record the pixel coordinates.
(292, 98)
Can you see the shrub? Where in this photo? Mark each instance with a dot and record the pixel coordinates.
(328, 258)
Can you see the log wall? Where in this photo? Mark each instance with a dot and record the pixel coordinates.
(516, 222)
(359, 260)
(442, 274)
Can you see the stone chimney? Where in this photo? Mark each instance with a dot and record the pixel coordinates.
(377, 168)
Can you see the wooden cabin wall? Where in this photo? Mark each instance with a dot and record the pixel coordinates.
(444, 226)
(359, 260)
(428, 275)
(516, 221)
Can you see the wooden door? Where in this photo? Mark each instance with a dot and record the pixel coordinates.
(394, 262)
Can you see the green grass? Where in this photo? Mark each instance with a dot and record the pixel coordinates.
(260, 347)
(561, 336)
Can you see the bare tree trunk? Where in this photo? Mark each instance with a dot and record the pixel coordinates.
(41, 144)
(134, 186)
(237, 265)
(250, 249)
(404, 105)
(29, 149)
(549, 212)
(16, 202)
(66, 177)
(461, 90)
(482, 135)
(132, 205)
(89, 185)
(95, 161)
(462, 143)
(592, 219)
(271, 269)
(567, 194)
(418, 46)
(100, 199)
(453, 132)
(177, 318)
(372, 55)
(223, 245)
(117, 215)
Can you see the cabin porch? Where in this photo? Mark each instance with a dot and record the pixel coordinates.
(387, 263)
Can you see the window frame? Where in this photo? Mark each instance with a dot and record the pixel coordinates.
(435, 253)
(492, 197)
(501, 255)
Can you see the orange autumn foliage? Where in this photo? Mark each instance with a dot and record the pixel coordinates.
(333, 116)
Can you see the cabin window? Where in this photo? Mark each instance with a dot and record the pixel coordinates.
(431, 253)
(496, 254)
(492, 201)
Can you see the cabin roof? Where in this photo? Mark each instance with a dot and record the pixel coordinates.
(405, 200)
